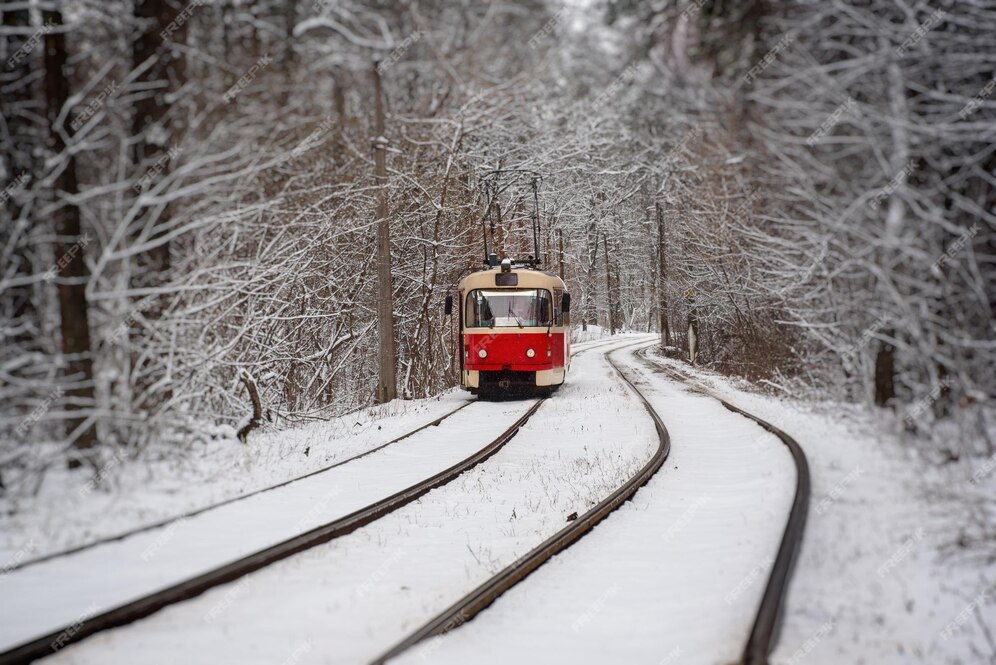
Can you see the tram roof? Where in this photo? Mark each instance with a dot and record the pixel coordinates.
(528, 278)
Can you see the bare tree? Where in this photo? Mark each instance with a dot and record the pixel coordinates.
(71, 242)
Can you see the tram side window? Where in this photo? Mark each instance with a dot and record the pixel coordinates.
(508, 308)
(478, 311)
(558, 314)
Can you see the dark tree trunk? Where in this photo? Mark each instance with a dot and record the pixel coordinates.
(257, 407)
(71, 269)
(162, 28)
(19, 139)
(159, 32)
(16, 139)
(885, 361)
(387, 388)
(339, 102)
(290, 19)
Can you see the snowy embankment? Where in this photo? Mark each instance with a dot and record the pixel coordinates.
(347, 600)
(53, 594)
(70, 509)
(592, 333)
(876, 581)
(74, 508)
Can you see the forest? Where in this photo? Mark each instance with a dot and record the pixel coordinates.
(797, 193)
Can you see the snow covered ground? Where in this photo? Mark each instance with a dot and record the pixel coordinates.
(70, 510)
(673, 576)
(55, 593)
(871, 584)
(875, 582)
(347, 600)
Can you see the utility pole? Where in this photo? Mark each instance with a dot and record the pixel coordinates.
(662, 276)
(608, 285)
(387, 388)
(560, 240)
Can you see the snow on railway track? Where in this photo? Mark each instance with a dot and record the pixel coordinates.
(343, 601)
(129, 533)
(67, 598)
(75, 511)
(675, 576)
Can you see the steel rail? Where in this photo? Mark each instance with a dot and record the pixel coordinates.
(488, 592)
(197, 511)
(767, 623)
(142, 607)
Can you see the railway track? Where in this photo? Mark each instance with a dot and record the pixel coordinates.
(204, 509)
(764, 630)
(586, 346)
(484, 595)
(767, 622)
(189, 588)
(762, 636)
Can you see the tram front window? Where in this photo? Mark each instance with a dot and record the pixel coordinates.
(508, 308)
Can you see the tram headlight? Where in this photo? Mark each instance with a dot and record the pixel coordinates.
(482, 353)
(530, 353)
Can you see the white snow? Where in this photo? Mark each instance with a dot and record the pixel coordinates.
(55, 593)
(874, 582)
(871, 585)
(347, 600)
(69, 510)
(677, 573)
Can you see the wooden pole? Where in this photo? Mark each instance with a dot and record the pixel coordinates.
(560, 240)
(608, 285)
(387, 388)
(662, 276)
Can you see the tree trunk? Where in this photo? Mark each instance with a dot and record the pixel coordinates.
(156, 81)
(589, 311)
(70, 244)
(19, 139)
(290, 19)
(387, 388)
(885, 360)
(257, 406)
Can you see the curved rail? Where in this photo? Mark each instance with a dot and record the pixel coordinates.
(484, 595)
(197, 511)
(594, 344)
(767, 623)
(143, 607)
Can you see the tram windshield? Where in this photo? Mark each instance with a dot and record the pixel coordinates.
(508, 308)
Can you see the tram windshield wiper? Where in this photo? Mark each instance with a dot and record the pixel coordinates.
(513, 315)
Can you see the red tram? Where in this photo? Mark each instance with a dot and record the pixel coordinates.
(514, 318)
(514, 329)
